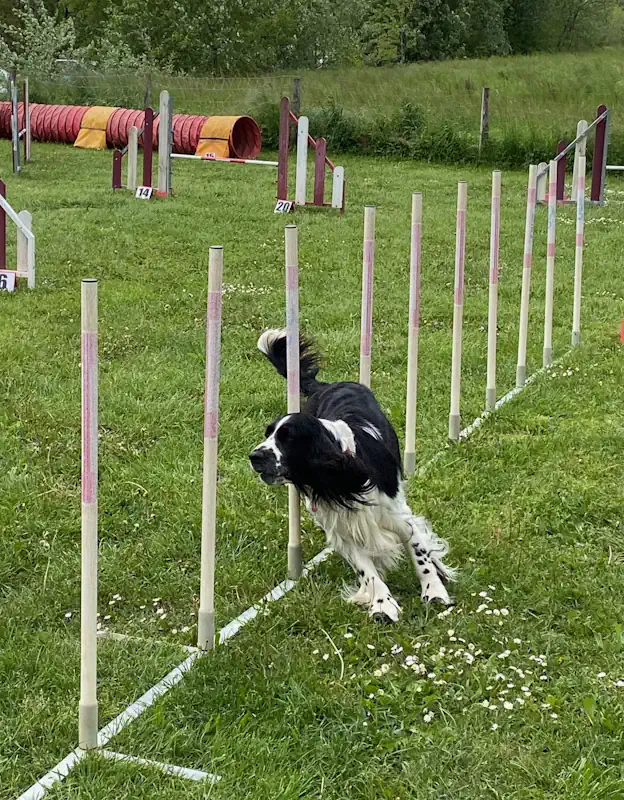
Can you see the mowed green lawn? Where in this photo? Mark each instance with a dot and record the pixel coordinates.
(532, 506)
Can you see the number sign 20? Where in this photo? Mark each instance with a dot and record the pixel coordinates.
(283, 206)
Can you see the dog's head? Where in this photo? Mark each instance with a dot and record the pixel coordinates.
(289, 440)
(312, 455)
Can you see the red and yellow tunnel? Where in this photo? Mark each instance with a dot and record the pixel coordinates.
(98, 127)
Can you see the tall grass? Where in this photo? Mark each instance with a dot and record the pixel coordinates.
(427, 111)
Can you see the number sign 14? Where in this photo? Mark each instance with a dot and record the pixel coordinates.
(143, 192)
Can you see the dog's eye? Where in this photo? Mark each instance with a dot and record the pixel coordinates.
(284, 434)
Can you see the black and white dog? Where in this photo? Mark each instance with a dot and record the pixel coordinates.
(342, 454)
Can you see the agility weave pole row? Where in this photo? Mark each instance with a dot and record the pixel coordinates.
(25, 267)
(366, 332)
(59, 772)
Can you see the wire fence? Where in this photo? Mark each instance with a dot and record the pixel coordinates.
(191, 95)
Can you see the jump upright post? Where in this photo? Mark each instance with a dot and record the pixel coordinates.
(599, 127)
(304, 141)
(25, 245)
(135, 136)
(295, 557)
(206, 616)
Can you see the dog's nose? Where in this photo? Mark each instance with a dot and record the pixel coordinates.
(257, 459)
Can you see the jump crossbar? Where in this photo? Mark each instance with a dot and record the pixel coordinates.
(227, 160)
(25, 262)
(574, 142)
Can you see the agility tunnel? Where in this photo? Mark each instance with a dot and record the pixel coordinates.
(99, 127)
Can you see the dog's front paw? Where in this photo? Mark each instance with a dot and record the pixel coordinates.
(385, 609)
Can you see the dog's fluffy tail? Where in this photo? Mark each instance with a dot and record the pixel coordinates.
(273, 344)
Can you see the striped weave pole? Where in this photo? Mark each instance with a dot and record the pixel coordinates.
(458, 309)
(490, 391)
(88, 705)
(526, 278)
(206, 616)
(368, 272)
(295, 558)
(578, 255)
(550, 263)
(412, 336)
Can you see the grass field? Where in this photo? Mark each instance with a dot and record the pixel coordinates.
(532, 506)
(534, 101)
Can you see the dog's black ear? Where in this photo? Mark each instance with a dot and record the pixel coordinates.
(334, 477)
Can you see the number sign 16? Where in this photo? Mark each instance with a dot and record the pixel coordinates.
(7, 281)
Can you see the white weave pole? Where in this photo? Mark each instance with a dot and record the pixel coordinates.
(206, 615)
(412, 336)
(526, 278)
(368, 273)
(578, 253)
(88, 705)
(295, 558)
(550, 264)
(490, 390)
(458, 309)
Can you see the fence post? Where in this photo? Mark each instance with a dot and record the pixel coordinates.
(282, 157)
(14, 121)
(296, 108)
(484, 130)
(27, 136)
(599, 160)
